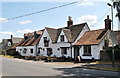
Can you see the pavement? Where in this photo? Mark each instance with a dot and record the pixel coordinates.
(20, 67)
(107, 67)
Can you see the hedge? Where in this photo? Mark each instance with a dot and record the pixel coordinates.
(116, 52)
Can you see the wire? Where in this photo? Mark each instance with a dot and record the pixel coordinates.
(42, 11)
(101, 18)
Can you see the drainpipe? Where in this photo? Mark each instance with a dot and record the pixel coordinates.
(36, 50)
(71, 50)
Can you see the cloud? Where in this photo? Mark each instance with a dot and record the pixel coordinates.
(7, 33)
(90, 19)
(87, 3)
(25, 31)
(24, 22)
(3, 19)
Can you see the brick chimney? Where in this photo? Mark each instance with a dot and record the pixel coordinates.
(69, 22)
(108, 23)
(11, 39)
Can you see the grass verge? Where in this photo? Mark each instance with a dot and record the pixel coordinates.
(7, 56)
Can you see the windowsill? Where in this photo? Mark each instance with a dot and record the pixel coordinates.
(87, 55)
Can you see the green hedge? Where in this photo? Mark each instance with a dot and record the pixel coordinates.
(116, 52)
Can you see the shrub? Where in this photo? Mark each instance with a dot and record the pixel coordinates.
(116, 52)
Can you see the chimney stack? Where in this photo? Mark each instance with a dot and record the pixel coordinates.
(11, 39)
(69, 22)
(108, 23)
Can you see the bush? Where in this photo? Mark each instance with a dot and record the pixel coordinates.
(116, 53)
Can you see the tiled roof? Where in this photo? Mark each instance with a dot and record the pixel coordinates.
(53, 34)
(68, 34)
(71, 32)
(75, 30)
(36, 41)
(117, 34)
(16, 40)
(14, 46)
(31, 40)
(91, 37)
(20, 42)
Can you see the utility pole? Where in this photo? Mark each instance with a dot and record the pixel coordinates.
(113, 54)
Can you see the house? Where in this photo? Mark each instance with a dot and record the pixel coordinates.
(6, 44)
(72, 41)
(76, 40)
(58, 42)
(93, 42)
(28, 45)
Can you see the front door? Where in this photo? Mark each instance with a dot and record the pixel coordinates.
(76, 52)
(49, 51)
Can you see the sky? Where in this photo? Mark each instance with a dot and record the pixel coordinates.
(91, 11)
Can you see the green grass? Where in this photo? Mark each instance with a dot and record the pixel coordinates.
(7, 56)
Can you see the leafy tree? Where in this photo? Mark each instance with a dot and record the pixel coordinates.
(116, 4)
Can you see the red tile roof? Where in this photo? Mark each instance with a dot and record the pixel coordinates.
(36, 41)
(31, 39)
(91, 37)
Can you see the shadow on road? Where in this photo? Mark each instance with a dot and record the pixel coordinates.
(83, 73)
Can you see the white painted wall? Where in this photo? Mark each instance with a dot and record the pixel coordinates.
(41, 43)
(95, 49)
(118, 24)
(28, 53)
(59, 44)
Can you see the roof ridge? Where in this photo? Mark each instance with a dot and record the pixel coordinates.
(95, 30)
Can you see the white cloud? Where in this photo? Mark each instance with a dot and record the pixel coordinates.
(24, 22)
(25, 31)
(90, 19)
(87, 3)
(3, 19)
(7, 33)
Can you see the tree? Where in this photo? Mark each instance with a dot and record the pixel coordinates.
(116, 4)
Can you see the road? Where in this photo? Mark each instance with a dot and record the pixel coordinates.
(19, 67)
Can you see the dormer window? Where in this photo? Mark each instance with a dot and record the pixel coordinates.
(62, 38)
(45, 39)
(46, 42)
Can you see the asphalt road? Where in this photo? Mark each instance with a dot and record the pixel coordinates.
(19, 67)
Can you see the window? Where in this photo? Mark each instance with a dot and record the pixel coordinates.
(20, 49)
(87, 50)
(64, 50)
(38, 50)
(45, 39)
(25, 50)
(46, 42)
(62, 38)
(49, 51)
(31, 50)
